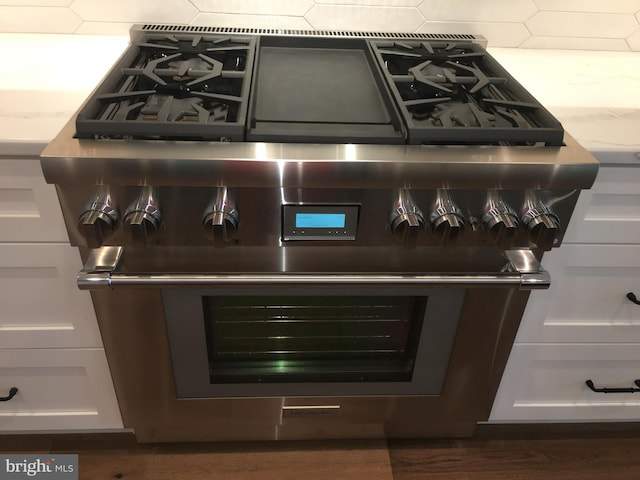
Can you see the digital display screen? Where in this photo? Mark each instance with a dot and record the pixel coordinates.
(320, 220)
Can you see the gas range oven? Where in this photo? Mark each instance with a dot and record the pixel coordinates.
(298, 234)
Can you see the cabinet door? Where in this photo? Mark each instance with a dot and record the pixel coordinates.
(586, 302)
(58, 389)
(547, 383)
(29, 208)
(610, 211)
(41, 304)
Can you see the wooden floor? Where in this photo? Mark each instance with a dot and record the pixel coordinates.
(523, 453)
(584, 452)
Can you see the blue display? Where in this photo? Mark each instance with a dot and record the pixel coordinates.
(320, 220)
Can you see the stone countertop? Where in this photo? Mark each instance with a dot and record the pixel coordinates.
(595, 95)
(45, 78)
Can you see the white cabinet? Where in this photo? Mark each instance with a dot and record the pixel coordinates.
(586, 302)
(550, 383)
(610, 211)
(29, 209)
(50, 346)
(583, 327)
(58, 389)
(41, 304)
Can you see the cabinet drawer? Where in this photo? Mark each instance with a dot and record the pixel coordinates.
(57, 389)
(610, 211)
(547, 382)
(41, 304)
(29, 208)
(586, 302)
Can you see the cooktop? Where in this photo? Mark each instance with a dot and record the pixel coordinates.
(201, 83)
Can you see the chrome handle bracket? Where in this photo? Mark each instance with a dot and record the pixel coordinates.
(532, 275)
(99, 267)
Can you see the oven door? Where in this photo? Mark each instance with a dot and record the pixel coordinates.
(311, 340)
(274, 335)
(294, 355)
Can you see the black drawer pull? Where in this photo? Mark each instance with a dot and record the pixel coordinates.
(12, 393)
(631, 296)
(613, 390)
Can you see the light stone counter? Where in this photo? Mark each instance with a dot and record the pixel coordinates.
(45, 78)
(43, 81)
(596, 95)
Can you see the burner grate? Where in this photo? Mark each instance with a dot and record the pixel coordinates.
(455, 93)
(175, 86)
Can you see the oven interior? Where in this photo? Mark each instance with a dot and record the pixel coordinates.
(256, 339)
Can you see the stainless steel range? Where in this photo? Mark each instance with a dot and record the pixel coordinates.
(292, 234)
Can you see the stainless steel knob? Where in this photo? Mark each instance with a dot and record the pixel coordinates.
(406, 220)
(541, 224)
(142, 218)
(99, 218)
(499, 220)
(446, 220)
(221, 218)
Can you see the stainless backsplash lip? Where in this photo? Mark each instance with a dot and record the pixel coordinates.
(140, 29)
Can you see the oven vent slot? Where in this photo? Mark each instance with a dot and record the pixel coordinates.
(159, 28)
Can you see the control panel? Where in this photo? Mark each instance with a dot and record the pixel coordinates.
(211, 216)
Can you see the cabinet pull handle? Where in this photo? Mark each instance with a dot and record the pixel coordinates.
(631, 296)
(613, 390)
(12, 393)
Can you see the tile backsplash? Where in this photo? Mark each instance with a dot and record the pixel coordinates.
(564, 24)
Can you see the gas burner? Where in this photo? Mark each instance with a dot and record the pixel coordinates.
(193, 70)
(169, 108)
(175, 86)
(462, 115)
(443, 88)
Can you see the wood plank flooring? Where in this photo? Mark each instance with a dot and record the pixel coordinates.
(108, 457)
(532, 452)
(518, 460)
(291, 463)
(524, 452)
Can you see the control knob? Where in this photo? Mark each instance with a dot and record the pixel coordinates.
(142, 219)
(99, 218)
(406, 220)
(541, 224)
(446, 220)
(500, 221)
(221, 219)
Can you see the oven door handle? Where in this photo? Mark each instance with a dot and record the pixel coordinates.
(522, 270)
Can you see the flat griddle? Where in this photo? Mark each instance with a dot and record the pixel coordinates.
(320, 90)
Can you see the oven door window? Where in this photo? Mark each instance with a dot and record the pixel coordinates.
(287, 341)
(312, 338)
